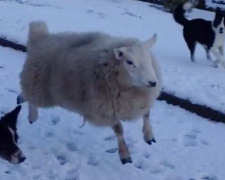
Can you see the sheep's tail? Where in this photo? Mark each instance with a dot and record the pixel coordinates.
(180, 11)
(37, 30)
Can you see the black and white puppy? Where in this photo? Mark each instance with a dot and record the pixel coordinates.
(210, 34)
(8, 138)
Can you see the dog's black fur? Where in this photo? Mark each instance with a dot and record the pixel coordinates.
(201, 31)
(8, 138)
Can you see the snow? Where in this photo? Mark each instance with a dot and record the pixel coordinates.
(215, 3)
(188, 147)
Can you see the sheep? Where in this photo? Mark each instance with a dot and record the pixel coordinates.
(104, 78)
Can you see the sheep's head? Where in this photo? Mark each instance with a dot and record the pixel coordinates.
(137, 62)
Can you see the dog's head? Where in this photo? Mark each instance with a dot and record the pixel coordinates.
(219, 21)
(8, 138)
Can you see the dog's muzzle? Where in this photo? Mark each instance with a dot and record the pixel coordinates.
(17, 158)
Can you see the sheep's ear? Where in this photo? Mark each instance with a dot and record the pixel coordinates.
(119, 53)
(151, 42)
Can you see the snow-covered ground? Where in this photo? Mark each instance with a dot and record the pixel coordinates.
(188, 147)
(58, 149)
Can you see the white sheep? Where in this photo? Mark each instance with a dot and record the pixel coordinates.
(103, 78)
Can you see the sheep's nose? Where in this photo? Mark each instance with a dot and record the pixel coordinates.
(152, 83)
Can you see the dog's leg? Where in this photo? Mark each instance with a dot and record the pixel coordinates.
(220, 58)
(123, 150)
(221, 50)
(191, 46)
(208, 54)
(33, 113)
(147, 130)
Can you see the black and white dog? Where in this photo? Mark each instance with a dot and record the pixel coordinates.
(8, 138)
(211, 34)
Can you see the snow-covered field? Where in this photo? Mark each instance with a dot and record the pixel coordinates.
(188, 147)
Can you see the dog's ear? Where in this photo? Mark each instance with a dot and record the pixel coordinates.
(10, 119)
(217, 9)
(218, 12)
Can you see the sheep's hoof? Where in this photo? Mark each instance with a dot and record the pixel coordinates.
(126, 160)
(18, 100)
(151, 141)
(31, 120)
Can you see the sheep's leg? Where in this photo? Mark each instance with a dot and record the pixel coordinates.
(20, 99)
(123, 150)
(33, 113)
(147, 130)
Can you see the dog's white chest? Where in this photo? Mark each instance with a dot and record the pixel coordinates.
(219, 40)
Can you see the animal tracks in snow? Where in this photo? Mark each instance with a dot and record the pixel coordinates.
(55, 120)
(92, 160)
(71, 147)
(110, 138)
(192, 139)
(189, 139)
(206, 177)
(62, 159)
(111, 151)
(99, 14)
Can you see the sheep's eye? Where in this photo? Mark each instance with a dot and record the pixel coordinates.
(129, 62)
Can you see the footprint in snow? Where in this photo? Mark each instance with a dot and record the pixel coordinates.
(101, 15)
(142, 165)
(78, 133)
(195, 131)
(167, 164)
(49, 134)
(131, 14)
(55, 120)
(7, 172)
(111, 151)
(212, 177)
(72, 178)
(92, 161)
(110, 138)
(189, 139)
(146, 155)
(71, 147)
(72, 174)
(90, 11)
(156, 170)
(204, 142)
(38, 176)
(62, 159)
(206, 177)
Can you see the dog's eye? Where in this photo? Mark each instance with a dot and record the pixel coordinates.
(129, 62)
